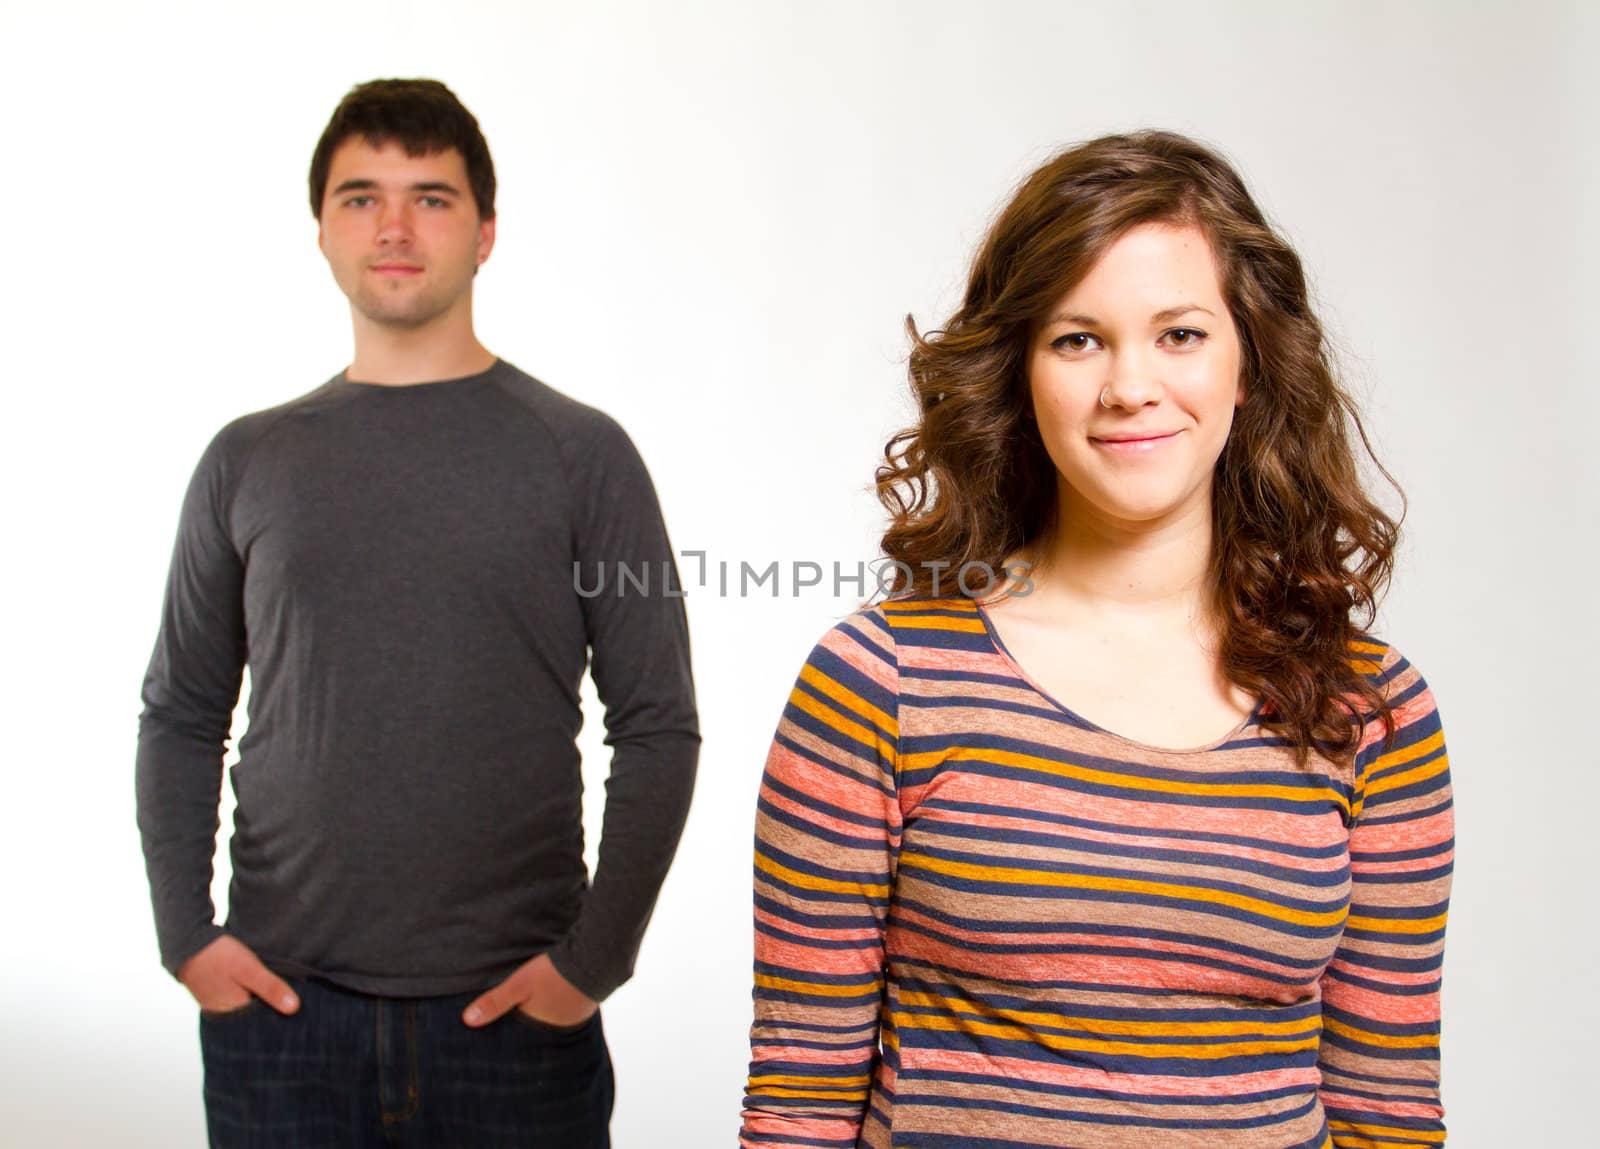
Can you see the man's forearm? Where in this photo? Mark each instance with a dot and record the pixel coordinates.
(178, 782)
(647, 802)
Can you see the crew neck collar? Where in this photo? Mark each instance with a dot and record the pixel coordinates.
(343, 382)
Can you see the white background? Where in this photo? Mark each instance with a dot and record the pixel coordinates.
(713, 220)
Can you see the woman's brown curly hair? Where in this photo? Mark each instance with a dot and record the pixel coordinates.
(1298, 547)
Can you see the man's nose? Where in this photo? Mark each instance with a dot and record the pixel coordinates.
(394, 225)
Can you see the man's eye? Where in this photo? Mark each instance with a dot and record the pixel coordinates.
(1185, 336)
(435, 201)
(1074, 341)
(358, 201)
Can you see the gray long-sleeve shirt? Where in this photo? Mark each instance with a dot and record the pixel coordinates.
(396, 566)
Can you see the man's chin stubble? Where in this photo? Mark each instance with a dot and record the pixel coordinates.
(405, 319)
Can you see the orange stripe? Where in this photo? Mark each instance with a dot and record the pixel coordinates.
(811, 882)
(833, 719)
(848, 698)
(1012, 875)
(1120, 1028)
(931, 758)
(1422, 1041)
(1087, 1045)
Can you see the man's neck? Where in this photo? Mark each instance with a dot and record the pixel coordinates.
(398, 357)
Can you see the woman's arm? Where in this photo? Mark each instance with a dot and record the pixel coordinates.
(1380, 994)
(827, 836)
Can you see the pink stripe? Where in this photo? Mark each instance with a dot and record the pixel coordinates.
(814, 817)
(819, 933)
(1337, 1100)
(1064, 1073)
(828, 961)
(1197, 948)
(1405, 1009)
(1109, 971)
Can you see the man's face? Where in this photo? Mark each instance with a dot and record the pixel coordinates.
(401, 233)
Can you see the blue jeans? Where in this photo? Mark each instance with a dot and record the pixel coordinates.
(351, 1071)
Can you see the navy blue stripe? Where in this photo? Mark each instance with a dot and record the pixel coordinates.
(1020, 837)
(983, 925)
(1332, 850)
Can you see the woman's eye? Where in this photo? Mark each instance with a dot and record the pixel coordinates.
(1185, 336)
(1074, 341)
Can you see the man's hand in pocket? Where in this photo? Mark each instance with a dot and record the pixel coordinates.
(227, 974)
(538, 988)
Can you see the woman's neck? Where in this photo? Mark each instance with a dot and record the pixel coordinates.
(1093, 565)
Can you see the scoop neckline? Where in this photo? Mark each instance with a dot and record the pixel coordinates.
(1028, 679)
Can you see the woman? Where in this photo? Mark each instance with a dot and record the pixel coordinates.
(1144, 841)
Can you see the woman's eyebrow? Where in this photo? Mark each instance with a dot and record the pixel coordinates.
(1159, 317)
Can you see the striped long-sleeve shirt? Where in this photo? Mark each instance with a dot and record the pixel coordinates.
(982, 921)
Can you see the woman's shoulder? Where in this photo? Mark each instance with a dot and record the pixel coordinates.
(949, 622)
(1413, 710)
(877, 636)
(903, 617)
(1383, 665)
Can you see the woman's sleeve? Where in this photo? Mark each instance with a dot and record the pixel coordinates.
(827, 836)
(1380, 994)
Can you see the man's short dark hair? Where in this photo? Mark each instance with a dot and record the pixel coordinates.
(422, 116)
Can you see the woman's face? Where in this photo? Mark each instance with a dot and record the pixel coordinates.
(1134, 377)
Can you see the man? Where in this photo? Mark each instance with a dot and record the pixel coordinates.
(413, 954)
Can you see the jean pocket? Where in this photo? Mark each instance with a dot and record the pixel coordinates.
(539, 1025)
(238, 1011)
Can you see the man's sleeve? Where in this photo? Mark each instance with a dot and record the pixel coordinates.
(1380, 995)
(190, 690)
(828, 827)
(638, 637)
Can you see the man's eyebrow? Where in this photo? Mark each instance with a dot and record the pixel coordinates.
(421, 186)
(1159, 317)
